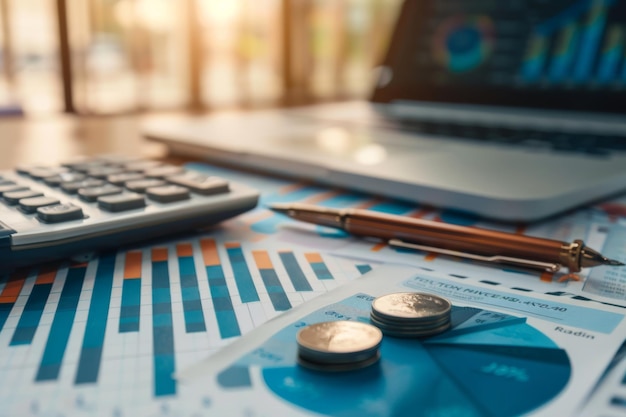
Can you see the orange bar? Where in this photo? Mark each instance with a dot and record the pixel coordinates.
(232, 245)
(262, 259)
(159, 254)
(313, 257)
(46, 275)
(184, 249)
(132, 267)
(546, 276)
(209, 252)
(378, 247)
(12, 289)
(430, 256)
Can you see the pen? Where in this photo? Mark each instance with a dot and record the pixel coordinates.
(463, 241)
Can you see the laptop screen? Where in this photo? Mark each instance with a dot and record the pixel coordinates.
(559, 54)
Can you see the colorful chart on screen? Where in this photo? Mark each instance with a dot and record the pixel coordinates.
(489, 364)
(463, 43)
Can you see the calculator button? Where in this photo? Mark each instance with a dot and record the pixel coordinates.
(86, 166)
(140, 186)
(142, 165)
(200, 183)
(92, 194)
(57, 180)
(59, 213)
(73, 187)
(121, 202)
(13, 197)
(26, 169)
(120, 179)
(168, 193)
(104, 171)
(30, 205)
(163, 171)
(11, 186)
(44, 172)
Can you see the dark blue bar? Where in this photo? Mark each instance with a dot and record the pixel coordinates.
(91, 352)
(163, 331)
(192, 306)
(275, 290)
(61, 325)
(223, 305)
(245, 285)
(31, 316)
(297, 277)
(5, 310)
(364, 269)
(131, 301)
(7, 301)
(321, 271)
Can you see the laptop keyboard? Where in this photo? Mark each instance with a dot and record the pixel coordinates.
(596, 144)
(532, 138)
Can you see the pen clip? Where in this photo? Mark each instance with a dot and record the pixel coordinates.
(548, 266)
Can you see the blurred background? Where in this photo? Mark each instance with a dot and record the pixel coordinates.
(111, 57)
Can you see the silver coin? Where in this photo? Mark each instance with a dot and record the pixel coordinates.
(399, 331)
(411, 306)
(338, 341)
(339, 367)
(376, 321)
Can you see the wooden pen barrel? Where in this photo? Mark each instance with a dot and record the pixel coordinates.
(466, 239)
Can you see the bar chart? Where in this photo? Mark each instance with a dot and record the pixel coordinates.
(581, 44)
(110, 335)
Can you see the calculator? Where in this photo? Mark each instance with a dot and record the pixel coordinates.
(76, 209)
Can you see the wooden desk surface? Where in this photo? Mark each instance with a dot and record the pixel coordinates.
(54, 139)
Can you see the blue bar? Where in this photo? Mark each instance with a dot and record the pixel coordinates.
(608, 66)
(131, 302)
(5, 310)
(590, 41)
(297, 277)
(533, 65)
(91, 351)
(9, 294)
(163, 331)
(275, 289)
(61, 325)
(192, 306)
(31, 316)
(611, 54)
(563, 58)
(245, 285)
(223, 305)
(321, 271)
(364, 269)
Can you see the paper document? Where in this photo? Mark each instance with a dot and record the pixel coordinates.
(507, 354)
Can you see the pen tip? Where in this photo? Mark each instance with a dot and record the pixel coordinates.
(613, 262)
(279, 207)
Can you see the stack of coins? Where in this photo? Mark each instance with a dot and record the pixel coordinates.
(338, 345)
(411, 314)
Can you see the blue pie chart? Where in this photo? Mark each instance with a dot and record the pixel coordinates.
(494, 368)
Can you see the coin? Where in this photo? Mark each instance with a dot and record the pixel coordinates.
(411, 314)
(338, 345)
(411, 306)
(339, 367)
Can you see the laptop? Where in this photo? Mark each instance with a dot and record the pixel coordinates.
(511, 110)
